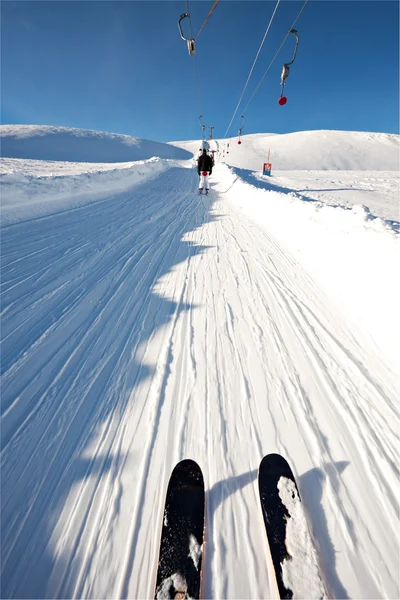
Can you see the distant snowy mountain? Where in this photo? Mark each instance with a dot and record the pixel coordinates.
(312, 150)
(43, 142)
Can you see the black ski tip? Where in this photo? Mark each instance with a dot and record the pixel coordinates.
(187, 463)
(276, 464)
(189, 471)
(272, 468)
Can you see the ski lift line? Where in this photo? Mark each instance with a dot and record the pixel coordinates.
(190, 19)
(277, 52)
(252, 68)
(198, 85)
(207, 17)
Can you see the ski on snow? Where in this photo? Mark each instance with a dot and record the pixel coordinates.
(179, 565)
(293, 555)
(181, 550)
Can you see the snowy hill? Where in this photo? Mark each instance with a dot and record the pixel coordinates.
(312, 150)
(143, 323)
(79, 145)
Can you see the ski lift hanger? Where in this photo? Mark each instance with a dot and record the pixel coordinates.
(190, 41)
(203, 127)
(285, 70)
(240, 130)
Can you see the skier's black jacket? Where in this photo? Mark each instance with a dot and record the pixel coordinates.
(204, 163)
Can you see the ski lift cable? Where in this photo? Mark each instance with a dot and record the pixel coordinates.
(273, 60)
(252, 68)
(207, 17)
(198, 84)
(190, 18)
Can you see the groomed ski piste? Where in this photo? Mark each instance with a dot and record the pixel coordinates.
(142, 324)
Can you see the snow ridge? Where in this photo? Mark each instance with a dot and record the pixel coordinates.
(41, 142)
(312, 150)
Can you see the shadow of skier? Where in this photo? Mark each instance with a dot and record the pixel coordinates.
(311, 486)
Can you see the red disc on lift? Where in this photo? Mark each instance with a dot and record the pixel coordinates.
(282, 100)
(239, 142)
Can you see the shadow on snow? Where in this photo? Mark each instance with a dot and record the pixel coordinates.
(311, 486)
(78, 305)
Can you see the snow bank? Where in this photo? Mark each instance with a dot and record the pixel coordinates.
(312, 150)
(354, 254)
(43, 142)
(378, 191)
(25, 195)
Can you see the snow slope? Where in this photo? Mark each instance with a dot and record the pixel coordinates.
(31, 189)
(42, 142)
(145, 324)
(330, 167)
(312, 150)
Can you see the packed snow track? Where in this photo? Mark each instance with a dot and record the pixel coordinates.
(155, 325)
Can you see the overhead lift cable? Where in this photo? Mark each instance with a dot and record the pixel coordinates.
(252, 68)
(198, 85)
(207, 17)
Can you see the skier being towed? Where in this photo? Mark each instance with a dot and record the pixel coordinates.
(204, 169)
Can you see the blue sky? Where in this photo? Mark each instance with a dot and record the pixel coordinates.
(122, 66)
